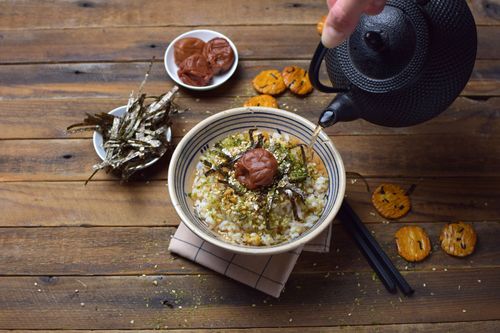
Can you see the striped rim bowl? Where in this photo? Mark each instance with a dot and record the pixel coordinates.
(214, 128)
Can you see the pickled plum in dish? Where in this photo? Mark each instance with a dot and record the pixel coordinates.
(199, 61)
(219, 54)
(195, 70)
(256, 168)
(186, 47)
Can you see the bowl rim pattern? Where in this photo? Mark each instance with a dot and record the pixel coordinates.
(216, 126)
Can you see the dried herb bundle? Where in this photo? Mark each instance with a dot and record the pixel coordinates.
(140, 136)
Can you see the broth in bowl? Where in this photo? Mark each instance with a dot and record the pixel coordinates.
(259, 188)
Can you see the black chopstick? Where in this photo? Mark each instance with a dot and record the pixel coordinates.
(374, 262)
(377, 250)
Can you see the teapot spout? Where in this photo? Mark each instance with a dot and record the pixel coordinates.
(342, 108)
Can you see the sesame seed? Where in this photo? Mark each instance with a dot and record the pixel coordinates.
(478, 281)
(132, 321)
(464, 311)
(155, 282)
(82, 304)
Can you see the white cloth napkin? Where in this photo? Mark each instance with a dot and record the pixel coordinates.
(265, 273)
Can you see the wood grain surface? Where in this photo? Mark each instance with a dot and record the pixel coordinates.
(212, 301)
(117, 80)
(106, 203)
(48, 118)
(77, 258)
(142, 44)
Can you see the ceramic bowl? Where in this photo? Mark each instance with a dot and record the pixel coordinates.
(220, 125)
(204, 35)
(98, 140)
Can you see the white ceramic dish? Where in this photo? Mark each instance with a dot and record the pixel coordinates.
(212, 129)
(98, 140)
(204, 35)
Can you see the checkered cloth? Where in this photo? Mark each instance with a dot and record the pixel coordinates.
(265, 273)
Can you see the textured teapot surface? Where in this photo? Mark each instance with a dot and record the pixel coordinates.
(405, 65)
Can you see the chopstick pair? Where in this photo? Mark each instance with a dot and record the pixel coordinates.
(378, 259)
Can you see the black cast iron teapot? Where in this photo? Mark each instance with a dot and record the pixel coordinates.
(401, 67)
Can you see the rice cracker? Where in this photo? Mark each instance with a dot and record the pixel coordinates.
(262, 100)
(269, 82)
(391, 201)
(297, 80)
(458, 239)
(413, 243)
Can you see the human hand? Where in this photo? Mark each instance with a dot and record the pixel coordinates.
(343, 17)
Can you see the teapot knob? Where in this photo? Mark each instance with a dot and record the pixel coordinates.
(374, 40)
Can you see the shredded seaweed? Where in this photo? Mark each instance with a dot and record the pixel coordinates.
(142, 134)
(290, 175)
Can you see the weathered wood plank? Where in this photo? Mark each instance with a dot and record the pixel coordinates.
(116, 80)
(98, 204)
(47, 119)
(142, 44)
(463, 327)
(389, 156)
(64, 14)
(143, 250)
(133, 44)
(214, 301)
(147, 204)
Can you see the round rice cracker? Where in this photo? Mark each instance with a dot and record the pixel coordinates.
(321, 25)
(297, 80)
(458, 239)
(269, 82)
(391, 201)
(262, 100)
(413, 243)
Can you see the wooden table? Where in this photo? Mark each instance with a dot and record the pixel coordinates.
(95, 257)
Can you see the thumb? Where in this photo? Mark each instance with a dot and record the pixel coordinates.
(342, 20)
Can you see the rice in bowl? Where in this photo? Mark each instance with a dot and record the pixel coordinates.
(269, 215)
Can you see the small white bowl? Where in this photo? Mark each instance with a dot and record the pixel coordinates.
(212, 129)
(204, 35)
(97, 138)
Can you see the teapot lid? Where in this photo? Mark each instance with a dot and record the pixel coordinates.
(386, 51)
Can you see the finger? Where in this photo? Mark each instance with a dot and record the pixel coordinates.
(330, 3)
(342, 20)
(375, 7)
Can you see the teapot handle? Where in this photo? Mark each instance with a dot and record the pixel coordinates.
(314, 67)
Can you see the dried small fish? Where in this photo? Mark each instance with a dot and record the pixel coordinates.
(142, 134)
